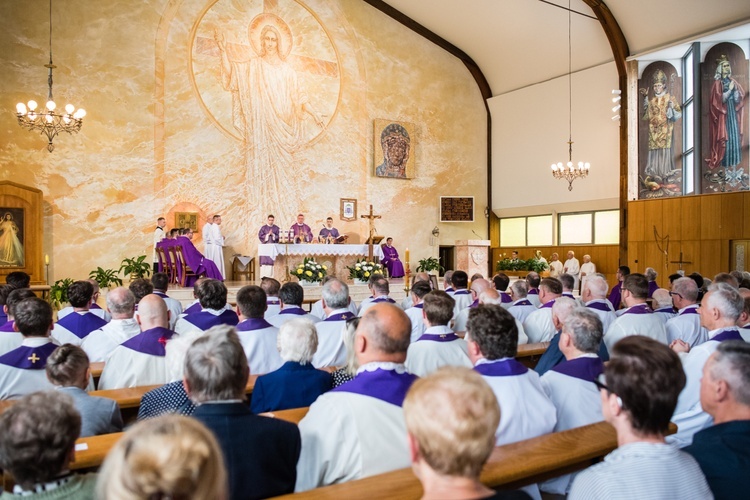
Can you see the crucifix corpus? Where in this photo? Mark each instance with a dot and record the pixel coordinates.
(371, 219)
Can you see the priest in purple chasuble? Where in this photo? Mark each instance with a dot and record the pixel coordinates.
(269, 233)
(195, 259)
(329, 231)
(390, 260)
(301, 231)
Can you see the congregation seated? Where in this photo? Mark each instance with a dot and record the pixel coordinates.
(37, 446)
(297, 383)
(123, 326)
(257, 336)
(414, 312)
(520, 306)
(370, 282)
(18, 279)
(73, 328)
(291, 296)
(260, 453)
(317, 308)
(22, 369)
(451, 417)
(570, 384)
(447, 284)
(492, 296)
(380, 294)
(477, 287)
(533, 280)
(538, 325)
(408, 301)
(349, 370)
(594, 297)
(167, 457)
(94, 308)
(461, 294)
(723, 450)
(651, 275)
(271, 287)
(331, 350)
(637, 318)
(639, 390)
(686, 325)
(212, 295)
(501, 282)
(357, 429)
(10, 337)
(195, 305)
(160, 282)
(140, 287)
(663, 303)
(68, 370)
(140, 359)
(568, 282)
(438, 346)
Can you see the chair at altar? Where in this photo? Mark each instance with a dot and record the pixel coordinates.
(183, 270)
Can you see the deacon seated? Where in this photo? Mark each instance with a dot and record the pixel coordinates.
(493, 344)
(723, 450)
(73, 328)
(447, 284)
(686, 326)
(212, 295)
(462, 296)
(390, 259)
(331, 350)
(380, 294)
(297, 384)
(501, 283)
(532, 281)
(568, 282)
(161, 284)
(539, 325)
(271, 286)
(664, 304)
(570, 385)
(140, 360)
(478, 286)
(99, 344)
(357, 429)
(594, 296)
(258, 337)
(291, 296)
(719, 311)
(260, 453)
(94, 308)
(10, 338)
(68, 369)
(438, 346)
(521, 306)
(194, 259)
(317, 308)
(22, 369)
(639, 390)
(637, 318)
(415, 312)
(301, 231)
(451, 417)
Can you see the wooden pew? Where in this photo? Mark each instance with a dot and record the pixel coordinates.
(96, 370)
(529, 354)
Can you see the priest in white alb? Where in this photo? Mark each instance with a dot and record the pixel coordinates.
(572, 267)
(215, 244)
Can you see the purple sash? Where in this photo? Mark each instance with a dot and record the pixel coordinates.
(195, 308)
(638, 309)
(293, 310)
(533, 291)
(340, 316)
(523, 302)
(205, 320)
(727, 335)
(8, 327)
(547, 304)
(474, 304)
(599, 306)
(461, 292)
(503, 368)
(439, 337)
(587, 369)
(385, 385)
(449, 289)
(150, 342)
(3, 317)
(81, 325)
(384, 298)
(273, 301)
(420, 306)
(94, 306)
(568, 294)
(505, 298)
(692, 310)
(28, 358)
(251, 324)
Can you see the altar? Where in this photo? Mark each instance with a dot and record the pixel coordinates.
(335, 257)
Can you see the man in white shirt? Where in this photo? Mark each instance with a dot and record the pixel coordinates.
(588, 268)
(158, 236)
(418, 291)
(538, 325)
(408, 302)
(358, 429)
(521, 306)
(555, 266)
(291, 297)
(637, 318)
(686, 325)
(271, 286)
(594, 296)
(100, 343)
(572, 266)
(206, 233)
(331, 349)
(73, 328)
(257, 336)
(161, 284)
(215, 244)
(212, 295)
(438, 346)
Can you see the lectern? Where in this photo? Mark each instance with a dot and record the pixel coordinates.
(473, 256)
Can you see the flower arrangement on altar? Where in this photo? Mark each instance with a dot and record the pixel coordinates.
(309, 270)
(363, 269)
(533, 264)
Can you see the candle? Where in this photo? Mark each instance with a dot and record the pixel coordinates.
(46, 259)
(407, 255)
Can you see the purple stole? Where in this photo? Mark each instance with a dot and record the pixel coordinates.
(205, 320)
(293, 310)
(161, 294)
(689, 310)
(507, 367)
(505, 298)
(251, 324)
(94, 306)
(533, 291)
(340, 316)
(303, 232)
(28, 358)
(383, 298)
(81, 324)
(449, 289)
(463, 291)
(7, 327)
(599, 306)
(638, 309)
(670, 310)
(569, 295)
(474, 304)
(3, 317)
(195, 308)
(523, 302)
(548, 304)
(273, 301)
(150, 341)
(420, 306)
(385, 385)
(264, 231)
(587, 369)
(438, 337)
(333, 232)
(729, 334)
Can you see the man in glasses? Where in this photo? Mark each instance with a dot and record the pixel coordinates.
(638, 318)
(686, 325)
(639, 392)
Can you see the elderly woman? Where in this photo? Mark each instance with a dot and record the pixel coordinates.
(297, 383)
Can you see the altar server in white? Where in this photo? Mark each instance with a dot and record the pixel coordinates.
(140, 360)
(438, 346)
(161, 284)
(212, 295)
(570, 385)
(719, 310)
(22, 369)
(380, 295)
(462, 296)
(415, 312)
(159, 235)
(555, 266)
(538, 325)
(358, 429)
(588, 268)
(100, 343)
(215, 245)
(478, 286)
(521, 306)
(272, 287)
(572, 266)
(331, 350)
(637, 318)
(257, 336)
(686, 326)
(74, 327)
(291, 296)
(594, 296)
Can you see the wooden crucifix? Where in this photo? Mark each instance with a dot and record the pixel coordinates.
(681, 262)
(371, 219)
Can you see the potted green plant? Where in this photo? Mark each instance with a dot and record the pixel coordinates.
(429, 264)
(135, 267)
(105, 277)
(58, 293)
(536, 265)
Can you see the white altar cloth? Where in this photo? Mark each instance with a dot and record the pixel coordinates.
(273, 250)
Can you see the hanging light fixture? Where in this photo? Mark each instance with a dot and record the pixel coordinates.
(49, 121)
(568, 171)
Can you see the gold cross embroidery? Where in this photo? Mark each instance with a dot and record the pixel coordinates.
(33, 358)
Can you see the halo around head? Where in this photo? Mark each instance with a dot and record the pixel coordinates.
(262, 20)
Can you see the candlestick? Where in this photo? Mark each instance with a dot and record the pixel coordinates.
(406, 255)
(46, 259)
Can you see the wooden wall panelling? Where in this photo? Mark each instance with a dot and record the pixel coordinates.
(691, 250)
(672, 218)
(711, 217)
(653, 218)
(732, 216)
(711, 261)
(746, 216)
(635, 254)
(636, 212)
(691, 217)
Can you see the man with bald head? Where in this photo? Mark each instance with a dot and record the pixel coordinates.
(140, 360)
(121, 305)
(357, 429)
(478, 286)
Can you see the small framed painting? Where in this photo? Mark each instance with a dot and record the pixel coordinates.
(186, 220)
(348, 209)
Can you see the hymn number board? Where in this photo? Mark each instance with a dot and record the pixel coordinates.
(456, 209)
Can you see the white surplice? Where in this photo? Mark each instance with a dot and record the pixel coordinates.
(100, 343)
(426, 356)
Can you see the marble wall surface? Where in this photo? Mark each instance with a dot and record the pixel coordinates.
(169, 131)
